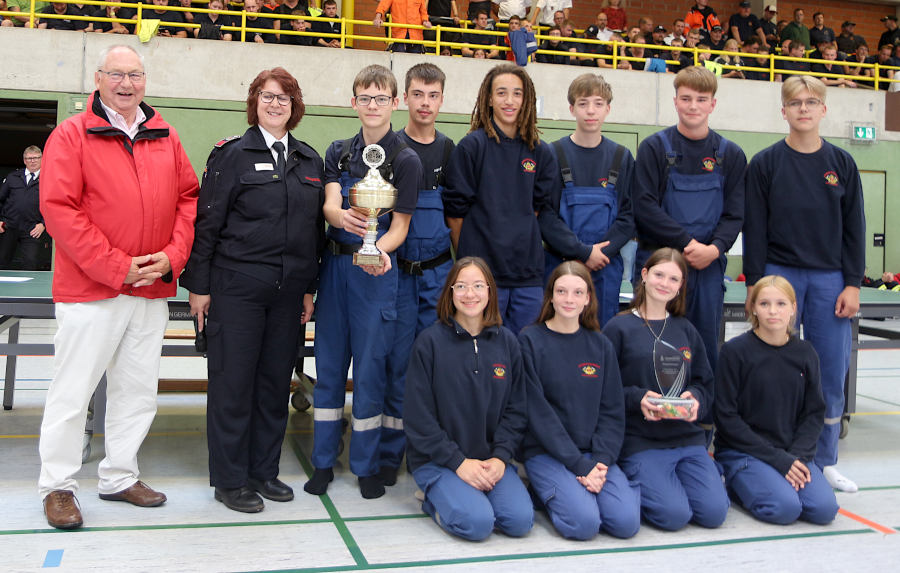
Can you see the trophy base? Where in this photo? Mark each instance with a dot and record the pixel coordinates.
(360, 259)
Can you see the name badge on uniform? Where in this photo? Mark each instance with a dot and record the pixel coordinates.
(265, 167)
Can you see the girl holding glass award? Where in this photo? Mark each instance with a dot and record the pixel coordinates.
(668, 385)
(770, 411)
(576, 414)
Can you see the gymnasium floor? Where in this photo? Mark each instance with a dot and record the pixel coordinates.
(342, 531)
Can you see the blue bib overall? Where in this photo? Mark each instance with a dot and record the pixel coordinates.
(355, 317)
(590, 213)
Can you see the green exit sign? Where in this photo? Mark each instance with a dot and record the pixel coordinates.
(862, 134)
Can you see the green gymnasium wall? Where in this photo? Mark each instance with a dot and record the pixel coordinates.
(202, 123)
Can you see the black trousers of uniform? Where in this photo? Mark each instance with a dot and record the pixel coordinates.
(35, 252)
(253, 329)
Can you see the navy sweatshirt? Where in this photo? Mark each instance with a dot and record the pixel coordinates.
(655, 228)
(768, 400)
(804, 210)
(497, 189)
(633, 344)
(575, 403)
(465, 396)
(590, 168)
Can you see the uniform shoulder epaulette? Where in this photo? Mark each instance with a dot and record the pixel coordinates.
(227, 140)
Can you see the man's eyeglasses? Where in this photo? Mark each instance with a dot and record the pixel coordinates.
(268, 97)
(462, 288)
(809, 103)
(116, 77)
(38, 158)
(380, 100)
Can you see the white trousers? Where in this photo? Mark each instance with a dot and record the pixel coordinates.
(122, 336)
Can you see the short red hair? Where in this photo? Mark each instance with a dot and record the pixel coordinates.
(288, 84)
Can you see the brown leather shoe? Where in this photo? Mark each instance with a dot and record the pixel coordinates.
(139, 494)
(61, 509)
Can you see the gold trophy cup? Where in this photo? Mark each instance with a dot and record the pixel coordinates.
(374, 196)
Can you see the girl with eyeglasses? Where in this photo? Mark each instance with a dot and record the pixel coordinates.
(804, 220)
(769, 413)
(464, 411)
(576, 414)
(668, 386)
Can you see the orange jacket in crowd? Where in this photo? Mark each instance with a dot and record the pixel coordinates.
(405, 12)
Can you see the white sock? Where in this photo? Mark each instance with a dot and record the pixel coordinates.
(419, 494)
(838, 481)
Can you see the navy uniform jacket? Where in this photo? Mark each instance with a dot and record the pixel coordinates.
(20, 202)
(251, 221)
(465, 396)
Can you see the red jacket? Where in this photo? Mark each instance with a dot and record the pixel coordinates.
(106, 199)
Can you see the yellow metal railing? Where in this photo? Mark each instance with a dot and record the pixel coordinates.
(245, 27)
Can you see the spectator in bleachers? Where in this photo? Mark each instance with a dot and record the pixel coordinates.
(779, 28)
(884, 58)
(677, 32)
(744, 25)
(896, 55)
(211, 23)
(60, 9)
(830, 52)
(189, 17)
(596, 49)
(634, 52)
(329, 10)
(251, 7)
(168, 16)
(645, 25)
(504, 10)
(656, 39)
(604, 32)
(762, 50)
(731, 45)
(769, 25)
(847, 41)
(476, 6)
(891, 35)
(615, 13)
(298, 25)
(405, 12)
(544, 11)
(555, 43)
(118, 12)
(287, 8)
(702, 17)
(479, 54)
(684, 59)
(4, 20)
(567, 28)
(633, 33)
(481, 23)
(716, 39)
(797, 30)
(794, 49)
(692, 38)
(24, 6)
(820, 33)
(861, 56)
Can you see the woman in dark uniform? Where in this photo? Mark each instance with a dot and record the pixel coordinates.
(251, 277)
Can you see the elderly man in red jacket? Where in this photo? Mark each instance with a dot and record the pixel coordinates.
(119, 195)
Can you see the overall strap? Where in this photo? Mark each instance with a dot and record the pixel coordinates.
(564, 169)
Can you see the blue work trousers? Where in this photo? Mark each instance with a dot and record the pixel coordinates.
(579, 514)
(678, 485)
(768, 496)
(817, 292)
(519, 306)
(472, 514)
(355, 317)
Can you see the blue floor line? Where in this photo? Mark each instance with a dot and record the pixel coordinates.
(53, 558)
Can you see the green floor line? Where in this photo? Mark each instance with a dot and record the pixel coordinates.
(170, 526)
(879, 487)
(339, 523)
(858, 395)
(572, 553)
(386, 517)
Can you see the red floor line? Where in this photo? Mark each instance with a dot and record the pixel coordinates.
(877, 527)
